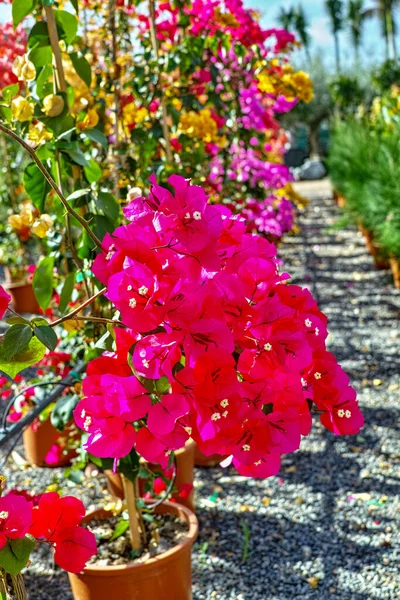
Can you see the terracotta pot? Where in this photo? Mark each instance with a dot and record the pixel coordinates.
(184, 474)
(38, 441)
(395, 266)
(201, 460)
(23, 298)
(167, 576)
(381, 262)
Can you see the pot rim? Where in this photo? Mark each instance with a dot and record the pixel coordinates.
(148, 564)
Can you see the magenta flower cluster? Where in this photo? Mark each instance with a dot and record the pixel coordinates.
(217, 347)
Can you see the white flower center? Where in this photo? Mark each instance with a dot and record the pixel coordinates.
(197, 215)
(3, 514)
(246, 448)
(145, 363)
(215, 417)
(143, 290)
(132, 303)
(317, 375)
(267, 347)
(224, 403)
(87, 423)
(307, 323)
(316, 331)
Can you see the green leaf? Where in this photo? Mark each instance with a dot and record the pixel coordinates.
(92, 171)
(103, 463)
(120, 529)
(30, 356)
(82, 67)
(16, 339)
(77, 156)
(46, 335)
(68, 24)
(66, 292)
(96, 136)
(43, 282)
(5, 113)
(102, 225)
(78, 194)
(36, 186)
(41, 56)
(108, 204)
(39, 35)
(10, 91)
(43, 86)
(129, 465)
(17, 320)
(15, 554)
(21, 9)
(75, 5)
(62, 413)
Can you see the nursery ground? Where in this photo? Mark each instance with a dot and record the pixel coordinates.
(328, 526)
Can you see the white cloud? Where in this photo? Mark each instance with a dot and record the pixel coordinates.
(320, 32)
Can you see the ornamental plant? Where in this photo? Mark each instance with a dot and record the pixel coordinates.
(216, 346)
(26, 521)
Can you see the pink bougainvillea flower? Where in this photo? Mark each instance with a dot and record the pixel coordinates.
(164, 415)
(155, 355)
(15, 517)
(5, 300)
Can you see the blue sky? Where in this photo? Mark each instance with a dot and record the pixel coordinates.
(372, 50)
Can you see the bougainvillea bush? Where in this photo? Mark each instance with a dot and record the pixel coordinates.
(216, 345)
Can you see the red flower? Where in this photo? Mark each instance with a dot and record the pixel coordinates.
(57, 521)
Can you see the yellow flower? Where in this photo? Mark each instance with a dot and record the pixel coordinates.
(202, 126)
(42, 225)
(225, 19)
(38, 134)
(53, 105)
(90, 120)
(21, 109)
(24, 69)
(176, 103)
(302, 85)
(26, 215)
(15, 221)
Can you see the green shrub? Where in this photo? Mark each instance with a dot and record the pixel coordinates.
(364, 166)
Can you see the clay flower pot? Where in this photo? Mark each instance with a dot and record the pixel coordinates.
(167, 576)
(395, 266)
(38, 441)
(23, 298)
(185, 474)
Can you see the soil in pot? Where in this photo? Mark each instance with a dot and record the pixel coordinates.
(164, 573)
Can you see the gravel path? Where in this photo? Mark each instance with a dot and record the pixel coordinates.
(328, 526)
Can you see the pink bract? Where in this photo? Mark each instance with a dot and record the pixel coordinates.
(222, 348)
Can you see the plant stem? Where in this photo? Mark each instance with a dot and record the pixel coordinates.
(100, 320)
(55, 46)
(130, 497)
(3, 586)
(164, 120)
(77, 310)
(19, 587)
(52, 183)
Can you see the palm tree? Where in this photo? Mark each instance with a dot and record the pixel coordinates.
(301, 26)
(335, 11)
(286, 18)
(384, 10)
(355, 17)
